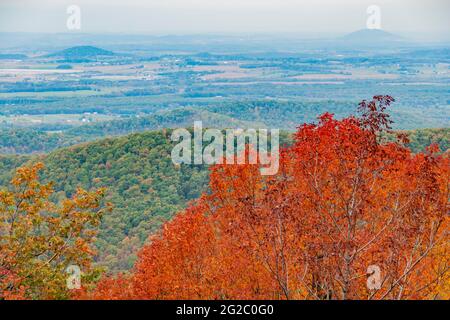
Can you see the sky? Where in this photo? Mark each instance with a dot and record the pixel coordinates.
(429, 19)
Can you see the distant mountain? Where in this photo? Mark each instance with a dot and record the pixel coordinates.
(12, 56)
(82, 52)
(372, 36)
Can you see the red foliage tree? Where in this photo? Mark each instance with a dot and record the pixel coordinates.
(343, 204)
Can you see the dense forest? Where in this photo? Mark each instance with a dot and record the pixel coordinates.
(143, 185)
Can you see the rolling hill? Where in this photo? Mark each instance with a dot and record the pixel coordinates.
(373, 38)
(144, 186)
(12, 56)
(242, 115)
(28, 140)
(372, 35)
(82, 52)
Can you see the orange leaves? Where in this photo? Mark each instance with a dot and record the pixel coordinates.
(184, 248)
(342, 203)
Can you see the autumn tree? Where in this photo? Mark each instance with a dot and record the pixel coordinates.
(348, 216)
(39, 239)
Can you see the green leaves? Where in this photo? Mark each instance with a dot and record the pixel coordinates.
(39, 238)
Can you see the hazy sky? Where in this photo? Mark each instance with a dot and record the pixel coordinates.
(226, 16)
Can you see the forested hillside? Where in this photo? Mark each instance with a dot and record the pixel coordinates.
(29, 140)
(142, 183)
(8, 164)
(26, 141)
(144, 186)
(419, 139)
(35, 140)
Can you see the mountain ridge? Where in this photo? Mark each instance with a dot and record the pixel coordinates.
(80, 52)
(370, 34)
